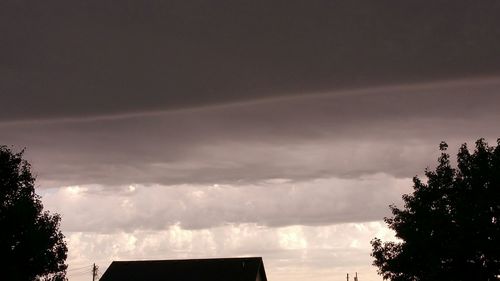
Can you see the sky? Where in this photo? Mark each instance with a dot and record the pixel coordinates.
(280, 129)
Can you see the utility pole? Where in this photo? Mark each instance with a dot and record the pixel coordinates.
(94, 272)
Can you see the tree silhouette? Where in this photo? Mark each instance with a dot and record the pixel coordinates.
(31, 245)
(449, 226)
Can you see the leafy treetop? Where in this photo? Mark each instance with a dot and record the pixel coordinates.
(449, 226)
(31, 245)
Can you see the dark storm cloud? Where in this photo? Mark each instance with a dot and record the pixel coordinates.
(87, 58)
(388, 130)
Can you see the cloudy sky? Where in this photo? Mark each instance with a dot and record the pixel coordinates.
(281, 129)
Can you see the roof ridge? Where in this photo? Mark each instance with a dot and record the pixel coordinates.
(209, 269)
(195, 259)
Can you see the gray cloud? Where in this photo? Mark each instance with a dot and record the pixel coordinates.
(86, 58)
(393, 131)
(272, 204)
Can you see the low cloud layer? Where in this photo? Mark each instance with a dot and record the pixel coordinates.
(272, 203)
(348, 134)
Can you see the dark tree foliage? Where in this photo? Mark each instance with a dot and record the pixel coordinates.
(449, 227)
(31, 245)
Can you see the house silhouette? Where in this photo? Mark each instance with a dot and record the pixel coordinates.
(226, 269)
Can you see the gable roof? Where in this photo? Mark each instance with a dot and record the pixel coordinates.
(229, 269)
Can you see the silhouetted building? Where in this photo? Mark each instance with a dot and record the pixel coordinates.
(230, 269)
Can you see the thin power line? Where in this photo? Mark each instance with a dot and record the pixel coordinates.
(80, 273)
(79, 268)
(82, 266)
